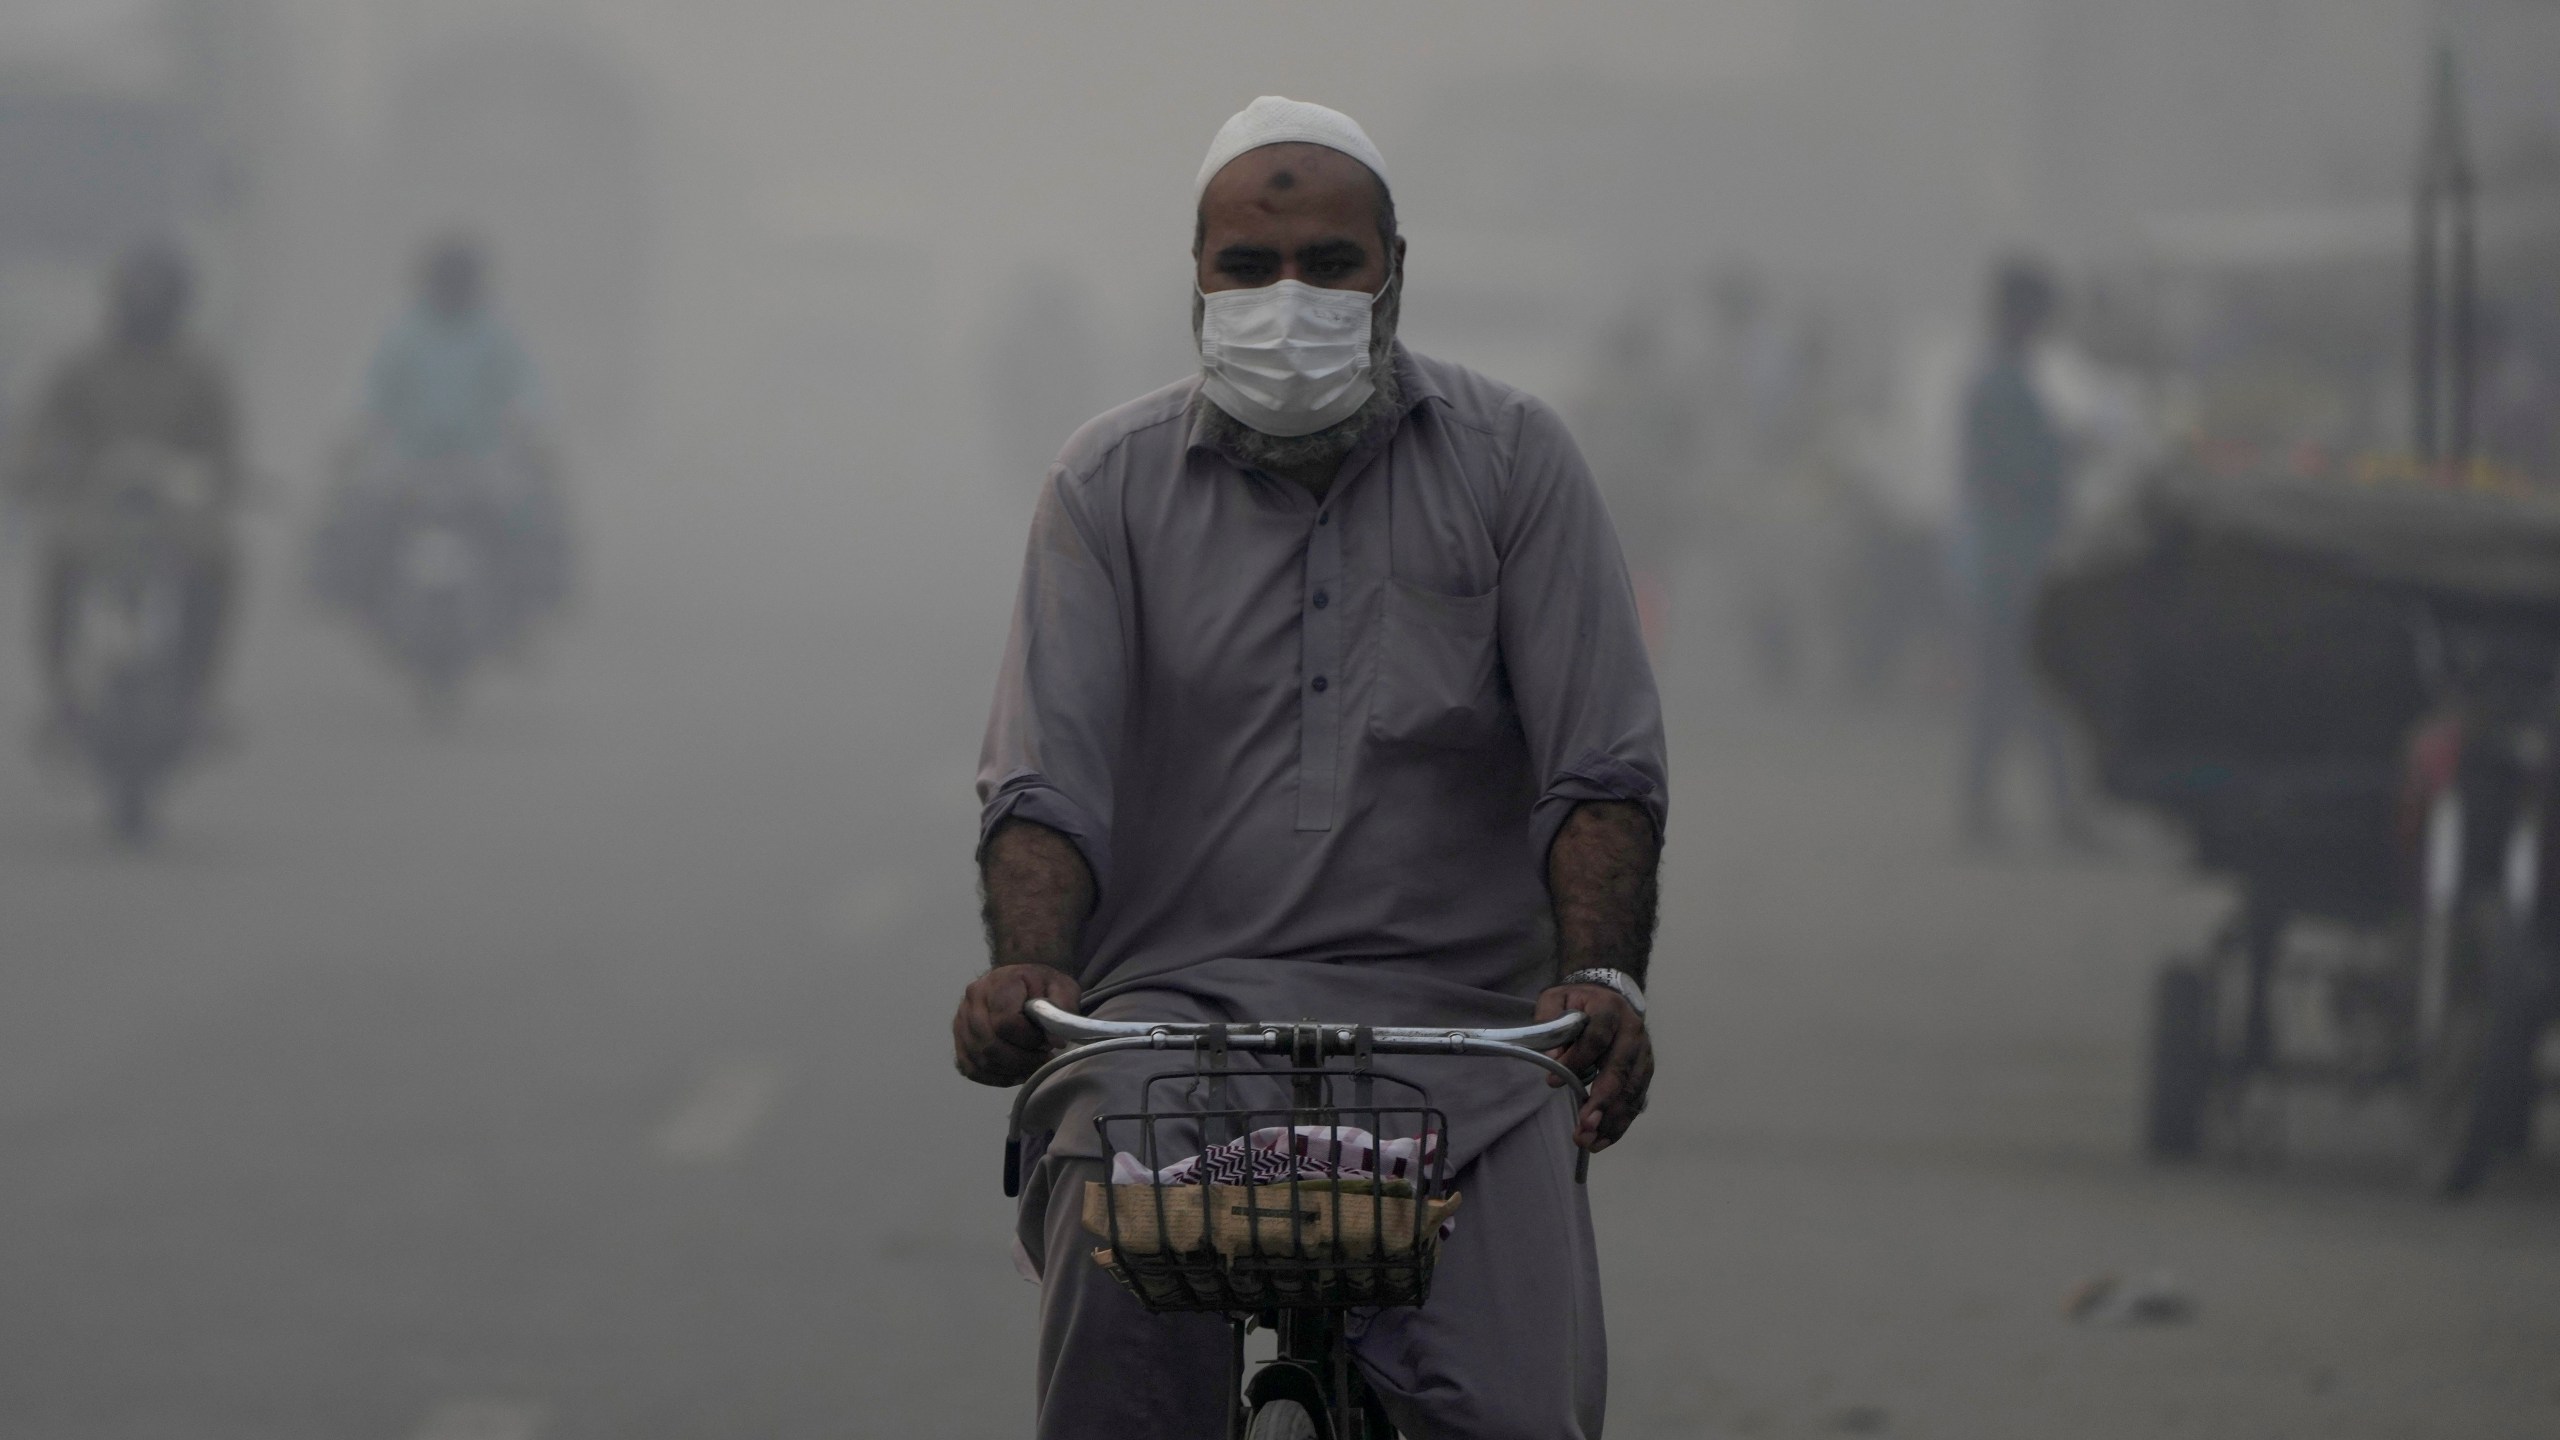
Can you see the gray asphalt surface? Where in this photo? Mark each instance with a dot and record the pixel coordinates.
(584, 1073)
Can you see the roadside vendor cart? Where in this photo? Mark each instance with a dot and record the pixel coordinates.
(2324, 640)
(2346, 690)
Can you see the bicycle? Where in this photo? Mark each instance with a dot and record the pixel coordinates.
(1294, 1254)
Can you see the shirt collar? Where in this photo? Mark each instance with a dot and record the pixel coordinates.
(1410, 379)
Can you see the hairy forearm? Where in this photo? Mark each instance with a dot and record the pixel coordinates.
(1036, 892)
(1603, 873)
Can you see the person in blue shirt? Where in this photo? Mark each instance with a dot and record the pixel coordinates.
(2016, 473)
(450, 381)
(450, 398)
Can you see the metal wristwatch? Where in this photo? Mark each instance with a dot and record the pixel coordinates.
(1618, 980)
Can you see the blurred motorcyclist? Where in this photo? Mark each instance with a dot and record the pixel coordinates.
(452, 394)
(450, 379)
(145, 393)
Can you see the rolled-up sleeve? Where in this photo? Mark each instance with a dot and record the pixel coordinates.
(1571, 644)
(1054, 734)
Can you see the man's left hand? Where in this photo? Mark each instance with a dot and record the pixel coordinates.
(1613, 1053)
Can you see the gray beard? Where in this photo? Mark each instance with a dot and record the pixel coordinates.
(1293, 455)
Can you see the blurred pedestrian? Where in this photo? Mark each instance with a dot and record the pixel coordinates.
(2016, 473)
(1639, 430)
(1752, 442)
(1046, 370)
(145, 404)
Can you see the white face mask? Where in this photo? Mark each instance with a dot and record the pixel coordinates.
(1288, 358)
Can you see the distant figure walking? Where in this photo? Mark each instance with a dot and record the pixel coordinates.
(2016, 476)
(1639, 430)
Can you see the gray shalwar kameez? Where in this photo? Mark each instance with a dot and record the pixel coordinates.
(1314, 751)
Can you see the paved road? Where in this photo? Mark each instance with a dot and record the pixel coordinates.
(581, 1074)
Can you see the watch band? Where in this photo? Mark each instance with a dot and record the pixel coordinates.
(1618, 980)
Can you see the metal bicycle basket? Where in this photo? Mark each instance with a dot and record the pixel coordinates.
(1336, 1200)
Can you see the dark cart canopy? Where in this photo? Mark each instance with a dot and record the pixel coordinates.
(2469, 547)
(2244, 647)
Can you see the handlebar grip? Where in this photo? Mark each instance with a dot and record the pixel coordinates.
(1554, 1035)
(1066, 1027)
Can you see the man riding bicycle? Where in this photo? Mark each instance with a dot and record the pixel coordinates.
(1325, 698)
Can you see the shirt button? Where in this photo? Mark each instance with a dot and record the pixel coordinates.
(1322, 600)
(1324, 517)
(1319, 685)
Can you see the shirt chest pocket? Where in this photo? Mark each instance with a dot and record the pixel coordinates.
(1440, 678)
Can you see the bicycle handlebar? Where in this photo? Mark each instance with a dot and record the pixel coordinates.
(1086, 1039)
(1068, 1028)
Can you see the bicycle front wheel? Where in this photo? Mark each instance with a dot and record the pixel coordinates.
(1282, 1420)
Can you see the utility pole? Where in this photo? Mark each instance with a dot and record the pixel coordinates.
(2444, 303)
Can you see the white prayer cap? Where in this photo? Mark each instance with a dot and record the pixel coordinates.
(1279, 120)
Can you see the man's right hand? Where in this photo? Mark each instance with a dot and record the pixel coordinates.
(992, 1041)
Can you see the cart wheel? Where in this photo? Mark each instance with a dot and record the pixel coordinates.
(2476, 1082)
(1282, 1420)
(2181, 1062)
